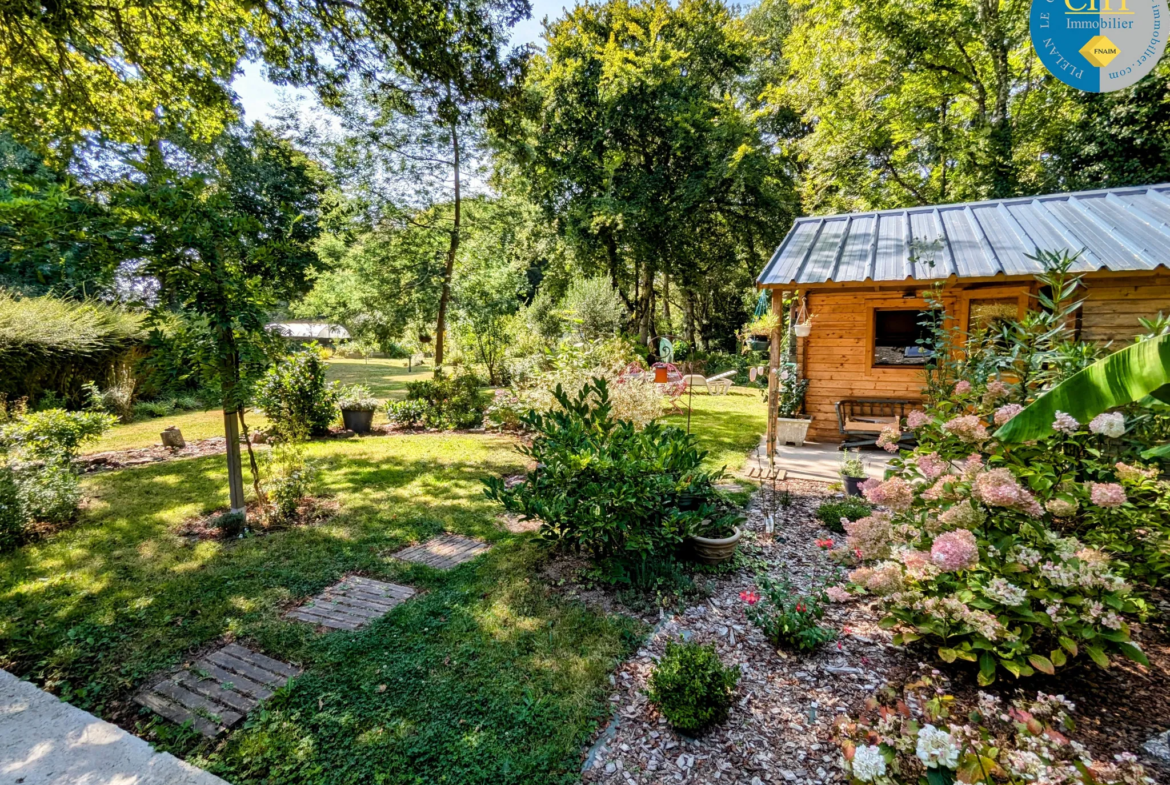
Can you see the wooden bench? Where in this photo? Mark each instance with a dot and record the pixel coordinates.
(861, 420)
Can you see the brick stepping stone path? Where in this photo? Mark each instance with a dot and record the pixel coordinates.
(217, 690)
(351, 604)
(443, 552)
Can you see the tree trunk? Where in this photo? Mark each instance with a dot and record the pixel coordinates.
(666, 303)
(1003, 173)
(448, 271)
(689, 317)
(646, 304)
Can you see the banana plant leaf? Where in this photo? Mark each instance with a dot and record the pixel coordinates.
(1119, 379)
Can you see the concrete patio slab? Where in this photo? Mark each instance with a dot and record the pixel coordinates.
(820, 462)
(45, 741)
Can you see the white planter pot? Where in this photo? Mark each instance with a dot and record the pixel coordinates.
(802, 330)
(792, 429)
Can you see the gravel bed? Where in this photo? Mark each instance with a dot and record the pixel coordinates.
(780, 727)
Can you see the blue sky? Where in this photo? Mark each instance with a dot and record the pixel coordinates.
(258, 96)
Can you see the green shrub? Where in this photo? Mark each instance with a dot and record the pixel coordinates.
(851, 508)
(160, 408)
(788, 618)
(54, 434)
(450, 401)
(13, 518)
(594, 308)
(296, 398)
(52, 345)
(607, 488)
(288, 479)
(50, 490)
(357, 398)
(408, 414)
(692, 687)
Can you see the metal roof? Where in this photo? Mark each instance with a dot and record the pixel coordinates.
(314, 330)
(1117, 229)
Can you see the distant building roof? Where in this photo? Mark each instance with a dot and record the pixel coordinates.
(310, 330)
(1117, 228)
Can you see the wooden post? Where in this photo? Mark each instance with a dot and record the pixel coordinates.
(231, 427)
(773, 378)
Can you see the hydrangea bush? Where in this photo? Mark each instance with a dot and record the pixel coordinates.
(920, 736)
(975, 548)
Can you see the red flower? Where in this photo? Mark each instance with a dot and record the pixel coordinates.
(750, 597)
(800, 607)
(826, 544)
(857, 552)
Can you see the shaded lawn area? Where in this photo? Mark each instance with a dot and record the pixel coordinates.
(486, 677)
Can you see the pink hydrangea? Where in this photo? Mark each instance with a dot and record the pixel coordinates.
(967, 427)
(999, 488)
(838, 594)
(1006, 412)
(1065, 423)
(1106, 494)
(869, 536)
(917, 563)
(931, 465)
(917, 419)
(972, 465)
(1134, 474)
(1111, 424)
(962, 515)
(885, 579)
(939, 491)
(894, 493)
(956, 550)
(1061, 508)
(996, 391)
(888, 440)
(963, 387)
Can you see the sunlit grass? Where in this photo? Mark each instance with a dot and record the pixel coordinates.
(385, 378)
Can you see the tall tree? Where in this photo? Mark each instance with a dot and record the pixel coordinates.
(228, 229)
(632, 134)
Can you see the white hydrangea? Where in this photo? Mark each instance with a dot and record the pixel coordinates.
(868, 763)
(1005, 592)
(1111, 424)
(936, 748)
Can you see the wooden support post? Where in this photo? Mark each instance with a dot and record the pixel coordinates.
(773, 378)
(231, 427)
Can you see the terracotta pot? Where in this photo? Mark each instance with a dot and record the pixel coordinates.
(661, 375)
(358, 422)
(852, 485)
(709, 551)
(792, 429)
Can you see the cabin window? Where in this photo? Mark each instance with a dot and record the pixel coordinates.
(989, 315)
(899, 338)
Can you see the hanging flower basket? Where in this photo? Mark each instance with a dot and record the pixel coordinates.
(802, 325)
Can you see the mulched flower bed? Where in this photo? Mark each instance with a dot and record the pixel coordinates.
(311, 511)
(121, 459)
(781, 728)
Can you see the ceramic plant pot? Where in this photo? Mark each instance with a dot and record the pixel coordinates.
(803, 330)
(853, 485)
(714, 551)
(358, 422)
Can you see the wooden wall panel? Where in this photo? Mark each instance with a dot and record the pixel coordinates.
(835, 357)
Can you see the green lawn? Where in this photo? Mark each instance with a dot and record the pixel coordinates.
(485, 677)
(488, 677)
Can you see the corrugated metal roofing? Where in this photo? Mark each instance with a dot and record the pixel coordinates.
(1116, 228)
(314, 330)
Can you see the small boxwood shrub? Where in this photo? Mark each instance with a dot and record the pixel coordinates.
(851, 508)
(692, 687)
(407, 414)
(296, 398)
(450, 401)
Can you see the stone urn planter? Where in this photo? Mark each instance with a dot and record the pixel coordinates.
(714, 551)
(792, 429)
(357, 421)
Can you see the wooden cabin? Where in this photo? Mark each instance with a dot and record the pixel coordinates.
(862, 276)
